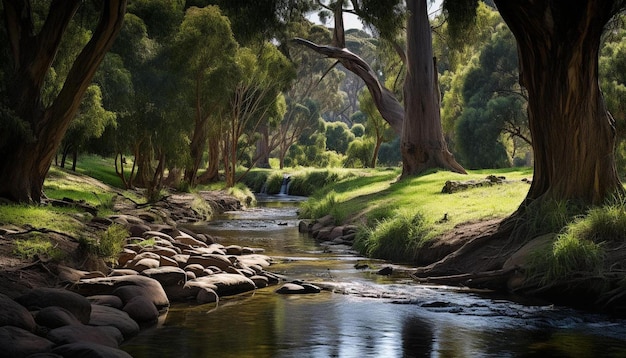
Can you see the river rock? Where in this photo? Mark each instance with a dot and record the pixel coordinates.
(260, 281)
(55, 316)
(166, 275)
(228, 284)
(167, 261)
(109, 316)
(105, 335)
(207, 260)
(148, 286)
(18, 342)
(39, 298)
(14, 314)
(138, 229)
(197, 270)
(141, 309)
(141, 264)
(157, 234)
(233, 250)
(105, 300)
(160, 250)
(91, 350)
(191, 241)
(123, 272)
(207, 295)
(298, 288)
(181, 259)
(255, 259)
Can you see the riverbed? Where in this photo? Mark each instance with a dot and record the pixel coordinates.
(361, 313)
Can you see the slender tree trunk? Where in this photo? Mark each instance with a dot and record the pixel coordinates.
(263, 148)
(26, 159)
(573, 135)
(212, 171)
(74, 158)
(198, 139)
(423, 145)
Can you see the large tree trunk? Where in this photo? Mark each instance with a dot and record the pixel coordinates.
(26, 158)
(573, 135)
(423, 145)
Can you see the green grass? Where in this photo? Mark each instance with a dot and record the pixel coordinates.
(101, 168)
(399, 216)
(374, 195)
(36, 246)
(53, 218)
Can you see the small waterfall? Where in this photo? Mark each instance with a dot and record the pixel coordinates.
(284, 187)
(264, 189)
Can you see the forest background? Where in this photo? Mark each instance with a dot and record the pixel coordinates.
(160, 102)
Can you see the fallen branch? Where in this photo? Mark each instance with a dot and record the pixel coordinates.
(474, 280)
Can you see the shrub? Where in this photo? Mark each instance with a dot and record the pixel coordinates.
(396, 239)
(107, 244)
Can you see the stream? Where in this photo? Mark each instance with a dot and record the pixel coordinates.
(360, 313)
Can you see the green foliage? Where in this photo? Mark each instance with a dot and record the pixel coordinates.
(107, 244)
(358, 130)
(36, 246)
(243, 194)
(397, 238)
(308, 182)
(389, 153)
(53, 218)
(338, 137)
(612, 74)
(320, 206)
(359, 153)
(547, 216)
(491, 109)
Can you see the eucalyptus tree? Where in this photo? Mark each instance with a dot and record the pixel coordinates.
(573, 134)
(31, 129)
(376, 127)
(423, 145)
(90, 122)
(202, 57)
(315, 90)
(264, 73)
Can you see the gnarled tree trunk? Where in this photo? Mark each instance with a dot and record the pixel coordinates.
(573, 135)
(26, 156)
(423, 145)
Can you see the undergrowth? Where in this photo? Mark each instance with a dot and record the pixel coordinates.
(397, 238)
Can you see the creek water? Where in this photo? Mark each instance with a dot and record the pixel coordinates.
(360, 313)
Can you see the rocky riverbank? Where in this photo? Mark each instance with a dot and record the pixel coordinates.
(90, 309)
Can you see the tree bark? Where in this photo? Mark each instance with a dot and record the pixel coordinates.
(573, 135)
(25, 161)
(423, 145)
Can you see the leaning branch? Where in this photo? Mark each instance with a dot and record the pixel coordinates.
(388, 106)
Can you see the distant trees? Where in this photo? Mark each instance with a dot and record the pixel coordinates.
(490, 117)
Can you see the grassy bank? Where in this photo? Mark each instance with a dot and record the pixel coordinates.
(397, 217)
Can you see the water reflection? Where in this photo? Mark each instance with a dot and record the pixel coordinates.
(363, 314)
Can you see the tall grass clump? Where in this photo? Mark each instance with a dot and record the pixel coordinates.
(544, 217)
(397, 238)
(243, 194)
(256, 179)
(581, 248)
(319, 206)
(307, 183)
(106, 244)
